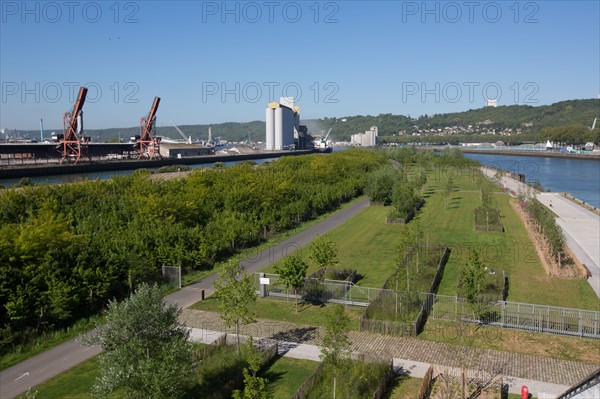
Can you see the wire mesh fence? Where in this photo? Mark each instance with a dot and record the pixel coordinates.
(407, 306)
(522, 316)
(172, 275)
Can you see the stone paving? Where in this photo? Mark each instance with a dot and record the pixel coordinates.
(499, 362)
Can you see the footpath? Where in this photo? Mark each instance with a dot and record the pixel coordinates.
(545, 377)
(580, 225)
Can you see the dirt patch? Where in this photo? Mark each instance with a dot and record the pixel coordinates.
(169, 175)
(550, 265)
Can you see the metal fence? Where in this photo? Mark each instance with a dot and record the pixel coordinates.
(316, 290)
(172, 275)
(521, 316)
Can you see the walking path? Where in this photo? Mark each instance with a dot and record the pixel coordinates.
(545, 377)
(581, 226)
(38, 369)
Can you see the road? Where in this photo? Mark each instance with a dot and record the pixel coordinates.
(581, 226)
(34, 371)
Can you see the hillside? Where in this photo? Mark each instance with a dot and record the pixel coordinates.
(530, 119)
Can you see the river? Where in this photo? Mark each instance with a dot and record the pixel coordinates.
(580, 177)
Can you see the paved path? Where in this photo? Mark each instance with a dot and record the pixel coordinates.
(19, 378)
(544, 376)
(581, 226)
(582, 231)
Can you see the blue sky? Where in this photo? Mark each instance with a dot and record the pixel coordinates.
(214, 61)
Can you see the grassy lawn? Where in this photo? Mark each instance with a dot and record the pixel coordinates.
(286, 375)
(72, 384)
(404, 387)
(22, 352)
(355, 379)
(585, 350)
(365, 243)
(510, 251)
(280, 309)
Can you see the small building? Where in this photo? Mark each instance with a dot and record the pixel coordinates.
(183, 150)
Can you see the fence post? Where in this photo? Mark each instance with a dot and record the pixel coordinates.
(580, 325)
(456, 308)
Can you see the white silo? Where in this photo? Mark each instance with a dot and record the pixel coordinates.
(270, 128)
(287, 127)
(279, 128)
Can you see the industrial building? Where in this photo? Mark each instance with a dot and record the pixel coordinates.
(366, 139)
(183, 150)
(282, 124)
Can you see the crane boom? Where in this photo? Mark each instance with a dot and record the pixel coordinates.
(147, 144)
(187, 139)
(74, 143)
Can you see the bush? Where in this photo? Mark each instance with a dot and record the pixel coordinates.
(173, 168)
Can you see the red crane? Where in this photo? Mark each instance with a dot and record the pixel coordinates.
(74, 143)
(148, 144)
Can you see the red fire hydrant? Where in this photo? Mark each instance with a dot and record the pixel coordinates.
(524, 392)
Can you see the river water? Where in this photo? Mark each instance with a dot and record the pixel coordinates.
(580, 177)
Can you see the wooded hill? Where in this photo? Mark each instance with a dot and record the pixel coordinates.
(571, 112)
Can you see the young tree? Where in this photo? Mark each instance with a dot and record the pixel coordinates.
(146, 349)
(336, 344)
(235, 292)
(406, 243)
(293, 274)
(448, 189)
(324, 252)
(255, 387)
(471, 278)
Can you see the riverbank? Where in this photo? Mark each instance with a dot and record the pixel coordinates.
(525, 153)
(12, 172)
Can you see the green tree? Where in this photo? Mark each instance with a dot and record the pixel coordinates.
(235, 292)
(293, 274)
(472, 278)
(146, 349)
(336, 344)
(255, 387)
(324, 252)
(380, 184)
(448, 189)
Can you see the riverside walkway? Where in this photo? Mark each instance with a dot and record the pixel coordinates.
(581, 226)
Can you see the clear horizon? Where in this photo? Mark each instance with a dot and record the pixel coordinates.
(216, 62)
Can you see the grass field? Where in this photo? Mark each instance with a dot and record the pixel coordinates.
(72, 384)
(286, 375)
(585, 350)
(510, 251)
(355, 379)
(365, 243)
(285, 310)
(404, 387)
